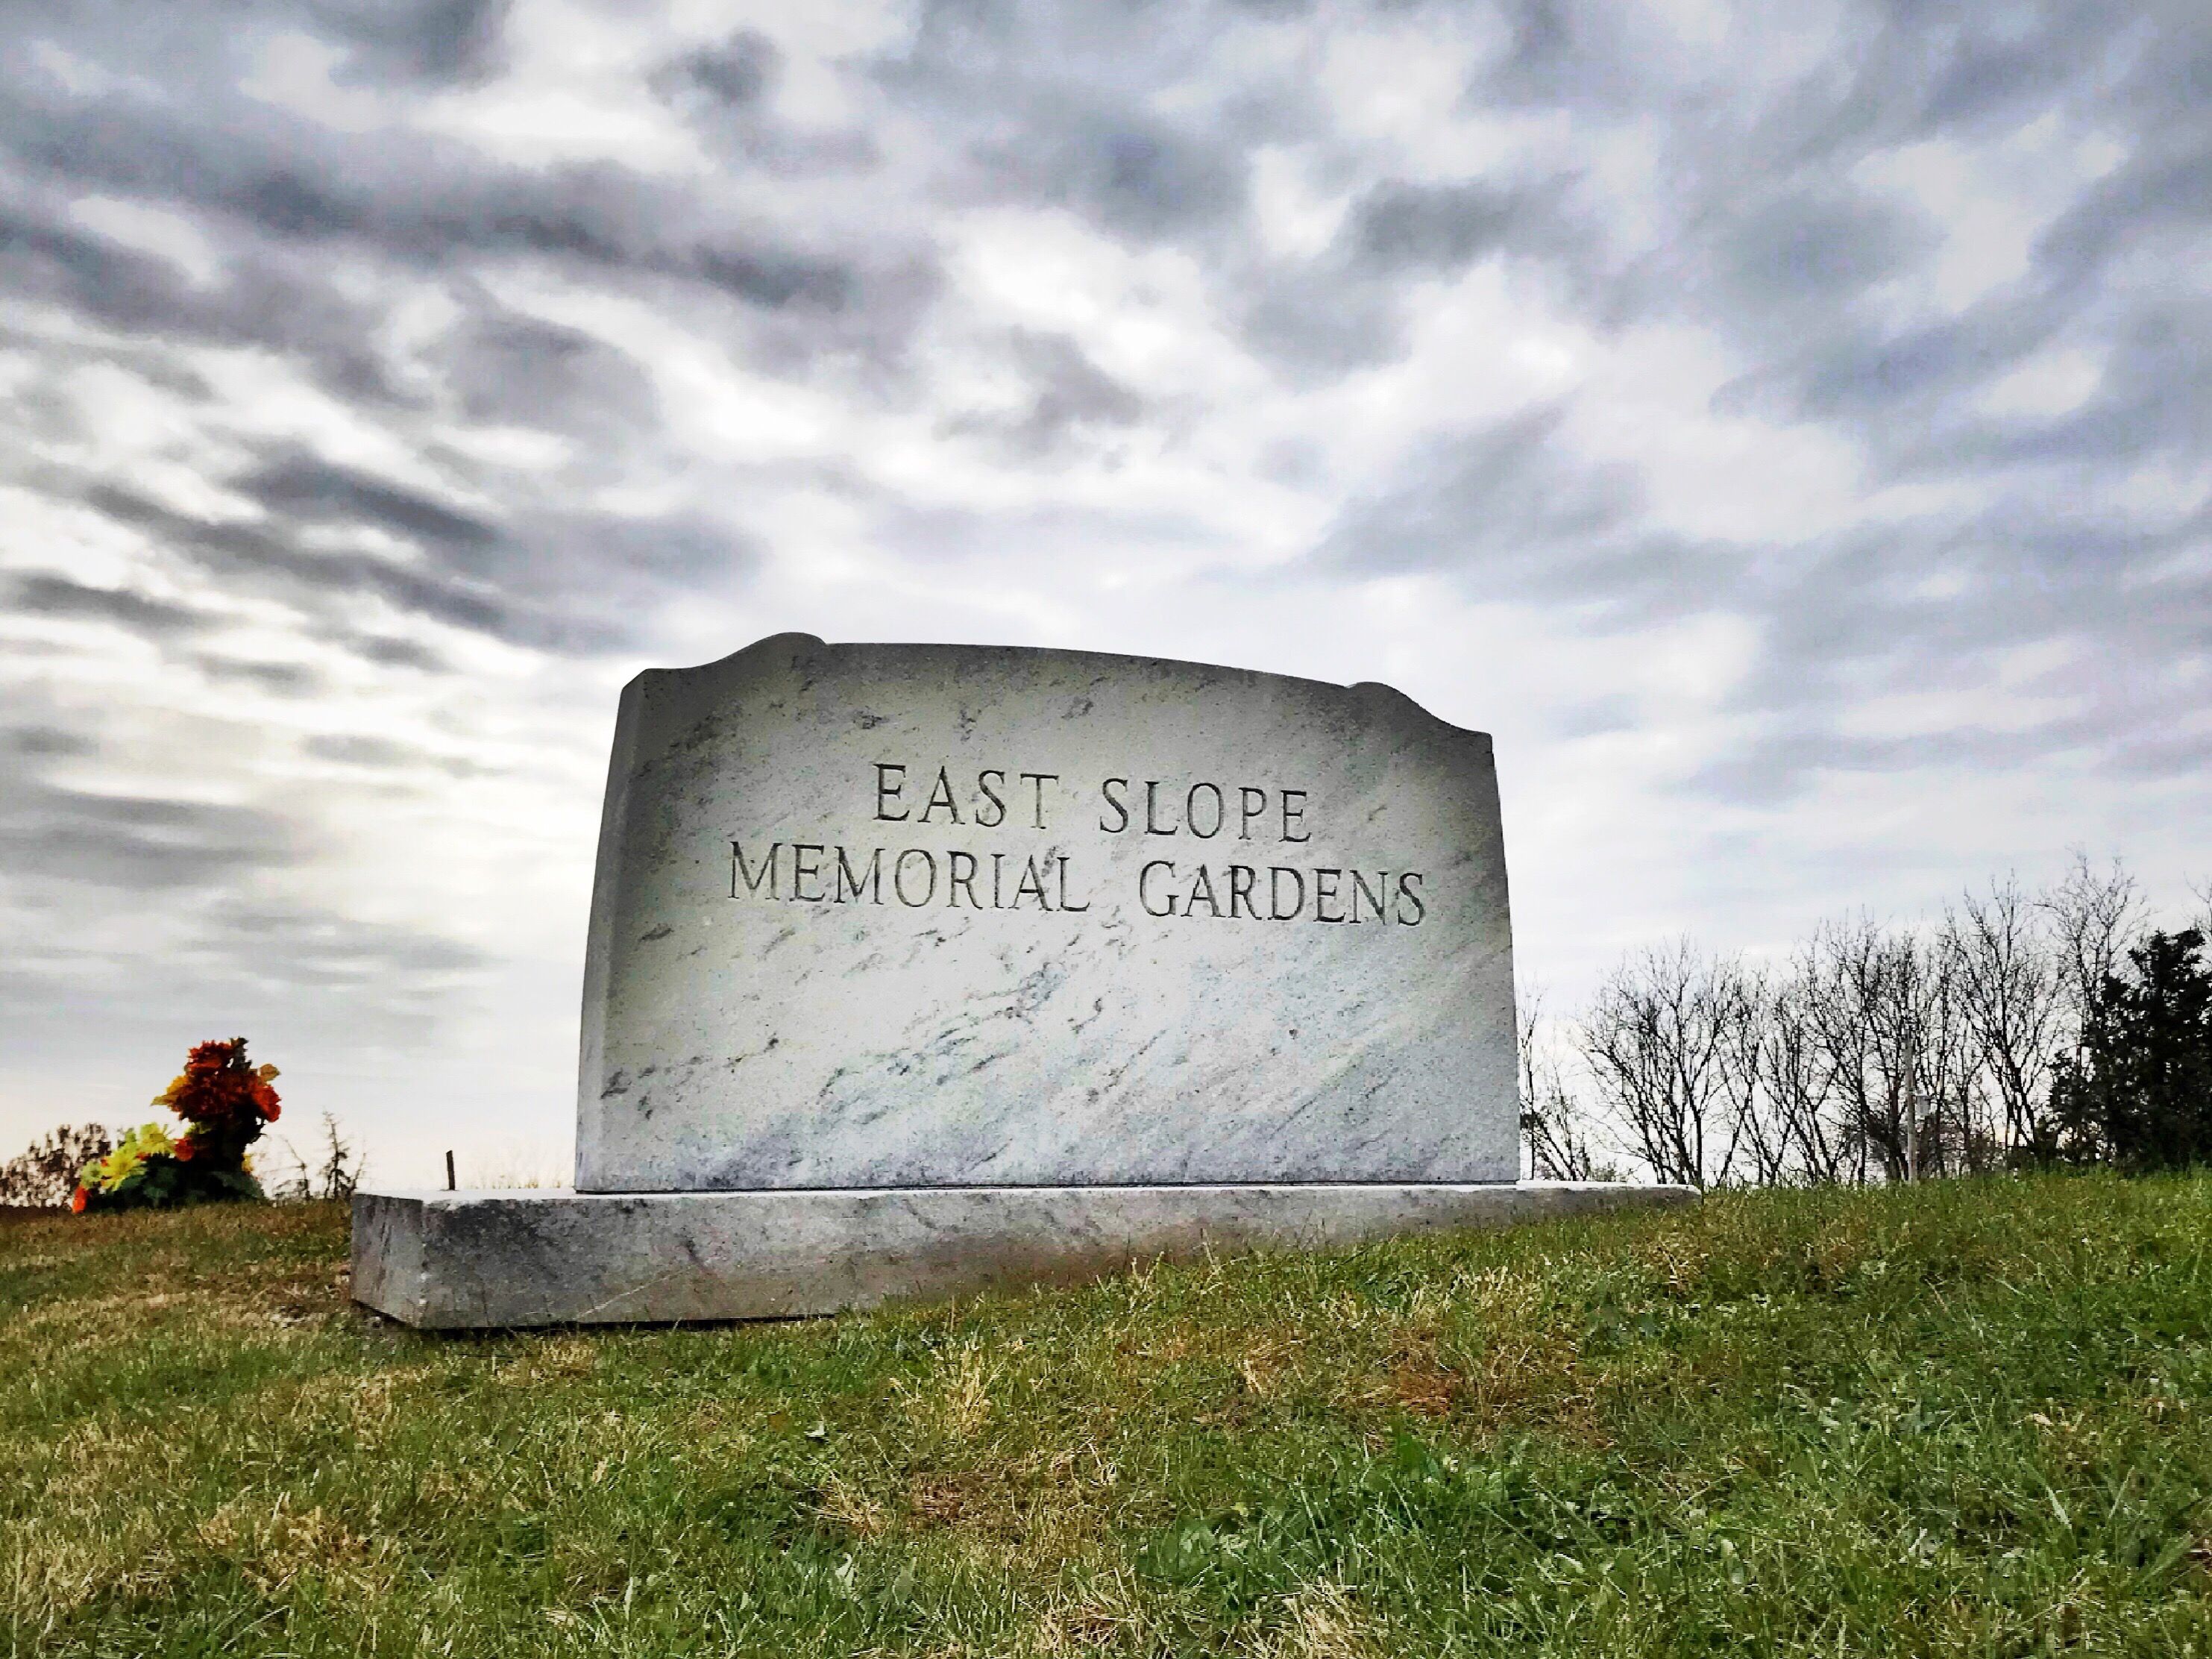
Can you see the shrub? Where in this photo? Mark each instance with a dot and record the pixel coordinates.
(42, 1177)
(226, 1102)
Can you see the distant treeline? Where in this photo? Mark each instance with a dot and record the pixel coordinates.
(2020, 1028)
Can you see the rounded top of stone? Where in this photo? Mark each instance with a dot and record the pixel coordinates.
(787, 646)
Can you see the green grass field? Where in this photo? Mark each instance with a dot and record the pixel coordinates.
(1964, 1418)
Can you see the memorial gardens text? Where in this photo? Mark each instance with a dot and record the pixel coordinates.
(1238, 889)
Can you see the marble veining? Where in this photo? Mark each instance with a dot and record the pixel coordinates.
(891, 916)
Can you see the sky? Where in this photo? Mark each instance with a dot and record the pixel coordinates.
(1788, 429)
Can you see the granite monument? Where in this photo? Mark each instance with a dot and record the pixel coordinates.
(919, 969)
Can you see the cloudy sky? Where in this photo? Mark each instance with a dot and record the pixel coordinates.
(1788, 428)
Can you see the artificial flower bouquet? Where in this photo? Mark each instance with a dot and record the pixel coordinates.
(226, 1101)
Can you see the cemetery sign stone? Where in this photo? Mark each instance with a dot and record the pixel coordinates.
(915, 969)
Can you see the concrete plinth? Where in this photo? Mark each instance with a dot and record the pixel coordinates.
(481, 1259)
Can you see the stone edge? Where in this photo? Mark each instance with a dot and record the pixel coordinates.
(479, 1260)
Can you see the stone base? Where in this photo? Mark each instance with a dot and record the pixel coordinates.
(477, 1260)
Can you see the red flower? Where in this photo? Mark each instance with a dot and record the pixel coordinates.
(78, 1200)
(182, 1149)
(226, 1102)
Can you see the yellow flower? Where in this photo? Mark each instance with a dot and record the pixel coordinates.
(133, 1150)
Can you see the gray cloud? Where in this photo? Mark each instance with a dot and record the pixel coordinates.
(1770, 240)
(1071, 399)
(1054, 105)
(1314, 323)
(2154, 398)
(376, 754)
(940, 535)
(735, 73)
(1510, 512)
(726, 91)
(297, 210)
(1812, 249)
(289, 975)
(1399, 226)
(47, 741)
(47, 595)
(135, 843)
(412, 41)
(1072, 390)
(357, 751)
(520, 369)
(313, 490)
(1856, 616)
(281, 679)
(274, 562)
(269, 299)
(1570, 53)
(572, 585)
(1600, 717)
(309, 949)
(1343, 310)
(389, 653)
(1138, 176)
(432, 207)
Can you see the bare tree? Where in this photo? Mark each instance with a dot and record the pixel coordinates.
(1898, 998)
(1746, 1005)
(1877, 1053)
(2094, 913)
(1845, 964)
(2013, 992)
(1800, 1070)
(1558, 1147)
(1877, 1003)
(336, 1174)
(44, 1174)
(282, 1172)
(1948, 1136)
(341, 1167)
(1655, 1041)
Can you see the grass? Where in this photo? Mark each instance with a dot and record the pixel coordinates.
(1964, 1418)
